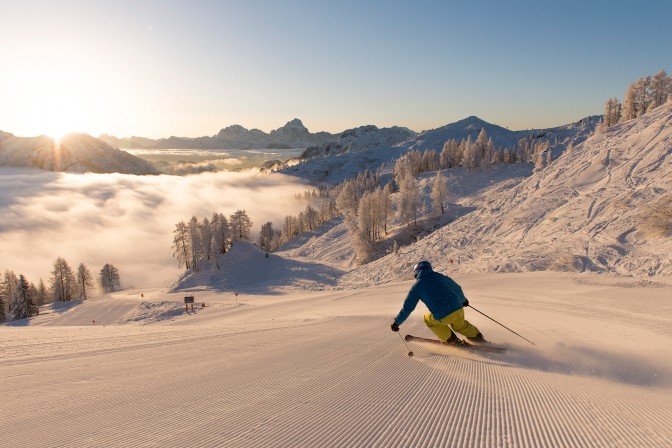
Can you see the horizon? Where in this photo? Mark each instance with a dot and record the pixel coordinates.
(174, 69)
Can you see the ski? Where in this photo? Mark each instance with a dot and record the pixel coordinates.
(464, 346)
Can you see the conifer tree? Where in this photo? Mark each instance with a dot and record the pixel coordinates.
(23, 306)
(182, 245)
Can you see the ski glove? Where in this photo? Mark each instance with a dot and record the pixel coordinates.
(465, 303)
(395, 326)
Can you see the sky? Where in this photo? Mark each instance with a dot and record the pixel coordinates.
(189, 68)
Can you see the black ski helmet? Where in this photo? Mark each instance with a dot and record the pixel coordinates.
(420, 266)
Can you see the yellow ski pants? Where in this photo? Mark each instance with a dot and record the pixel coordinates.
(441, 328)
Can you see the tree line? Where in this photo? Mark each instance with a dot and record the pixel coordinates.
(641, 96)
(20, 298)
(201, 242)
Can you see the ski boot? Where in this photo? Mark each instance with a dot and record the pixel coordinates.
(454, 340)
(478, 338)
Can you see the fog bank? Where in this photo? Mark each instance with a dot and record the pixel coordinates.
(122, 219)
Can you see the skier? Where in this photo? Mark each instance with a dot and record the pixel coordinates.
(444, 299)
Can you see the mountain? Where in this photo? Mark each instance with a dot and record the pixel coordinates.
(354, 151)
(292, 135)
(127, 142)
(605, 207)
(368, 147)
(559, 137)
(74, 153)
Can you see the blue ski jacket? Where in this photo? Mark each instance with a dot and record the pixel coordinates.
(438, 292)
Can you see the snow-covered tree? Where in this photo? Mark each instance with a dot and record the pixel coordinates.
(539, 149)
(182, 245)
(431, 160)
(195, 242)
(347, 200)
(8, 293)
(84, 280)
(612, 112)
(109, 278)
(451, 155)
(409, 201)
(221, 234)
(63, 281)
(206, 239)
(23, 307)
(311, 217)
(266, 237)
(240, 225)
(3, 313)
(661, 86)
(471, 154)
(439, 194)
(483, 149)
(42, 296)
(629, 110)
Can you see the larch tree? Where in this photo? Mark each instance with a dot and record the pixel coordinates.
(439, 194)
(194, 238)
(660, 88)
(3, 313)
(240, 225)
(221, 233)
(84, 280)
(206, 239)
(109, 278)
(63, 281)
(266, 236)
(182, 245)
(409, 201)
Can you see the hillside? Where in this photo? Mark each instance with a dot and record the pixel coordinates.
(604, 207)
(559, 137)
(74, 153)
(369, 147)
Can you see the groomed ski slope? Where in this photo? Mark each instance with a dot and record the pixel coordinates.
(316, 369)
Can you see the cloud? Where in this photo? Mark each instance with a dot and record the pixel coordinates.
(122, 219)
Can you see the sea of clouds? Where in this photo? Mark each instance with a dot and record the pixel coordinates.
(124, 220)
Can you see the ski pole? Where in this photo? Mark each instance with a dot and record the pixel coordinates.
(410, 353)
(500, 324)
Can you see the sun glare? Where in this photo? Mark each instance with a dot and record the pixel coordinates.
(54, 103)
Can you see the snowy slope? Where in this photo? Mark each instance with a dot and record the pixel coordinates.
(368, 147)
(323, 369)
(246, 267)
(589, 210)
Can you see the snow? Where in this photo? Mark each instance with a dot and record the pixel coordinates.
(295, 349)
(322, 368)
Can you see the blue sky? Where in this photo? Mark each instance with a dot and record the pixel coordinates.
(189, 68)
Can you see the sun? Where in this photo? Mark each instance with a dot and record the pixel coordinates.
(59, 118)
(54, 103)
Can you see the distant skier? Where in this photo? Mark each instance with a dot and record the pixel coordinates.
(444, 299)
